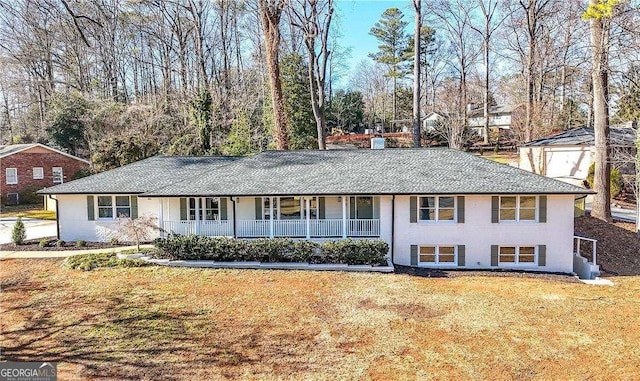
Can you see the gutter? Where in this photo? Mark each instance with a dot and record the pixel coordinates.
(234, 216)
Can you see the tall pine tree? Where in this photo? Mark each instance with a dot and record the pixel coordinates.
(390, 31)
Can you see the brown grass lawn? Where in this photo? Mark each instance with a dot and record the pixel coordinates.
(161, 323)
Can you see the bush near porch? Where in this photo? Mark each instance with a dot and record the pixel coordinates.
(223, 249)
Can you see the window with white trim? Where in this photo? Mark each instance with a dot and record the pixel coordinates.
(111, 207)
(105, 207)
(208, 208)
(517, 254)
(437, 208)
(290, 208)
(38, 173)
(57, 175)
(123, 206)
(439, 255)
(11, 175)
(518, 208)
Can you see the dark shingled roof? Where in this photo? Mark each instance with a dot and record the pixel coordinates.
(142, 176)
(374, 172)
(619, 136)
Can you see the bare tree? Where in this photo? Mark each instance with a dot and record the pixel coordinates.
(491, 22)
(600, 22)
(453, 18)
(417, 5)
(313, 18)
(270, 13)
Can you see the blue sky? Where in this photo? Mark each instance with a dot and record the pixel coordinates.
(355, 19)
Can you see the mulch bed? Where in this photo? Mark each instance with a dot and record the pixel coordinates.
(436, 273)
(618, 247)
(34, 245)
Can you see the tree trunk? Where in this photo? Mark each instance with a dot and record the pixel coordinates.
(601, 207)
(394, 102)
(485, 97)
(416, 73)
(270, 13)
(317, 96)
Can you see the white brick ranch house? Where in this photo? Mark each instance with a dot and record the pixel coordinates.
(436, 208)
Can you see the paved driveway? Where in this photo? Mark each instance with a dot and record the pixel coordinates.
(35, 228)
(624, 214)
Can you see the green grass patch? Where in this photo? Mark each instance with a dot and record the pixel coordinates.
(88, 262)
(28, 211)
(144, 250)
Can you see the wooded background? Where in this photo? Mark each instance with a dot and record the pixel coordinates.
(118, 80)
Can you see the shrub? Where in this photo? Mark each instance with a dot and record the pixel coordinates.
(193, 247)
(19, 232)
(81, 243)
(113, 241)
(29, 196)
(615, 180)
(89, 262)
(355, 252)
(43, 243)
(59, 243)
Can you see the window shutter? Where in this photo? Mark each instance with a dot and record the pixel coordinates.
(413, 209)
(414, 255)
(352, 208)
(542, 255)
(134, 207)
(91, 212)
(258, 207)
(222, 204)
(494, 255)
(461, 255)
(183, 209)
(461, 210)
(495, 209)
(542, 213)
(321, 208)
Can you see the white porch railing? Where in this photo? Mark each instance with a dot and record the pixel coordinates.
(577, 241)
(253, 228)
(289, 228)
(325, 228)
(208, 228)
(363, 228)
(280, 228)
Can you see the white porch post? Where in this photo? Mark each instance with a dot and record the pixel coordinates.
(271, 216)
(197, 218)
(161, 218)
(307, 205)
(344, 217)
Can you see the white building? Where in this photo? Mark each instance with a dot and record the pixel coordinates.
(499, 119)
(567, 156)
(437, 208)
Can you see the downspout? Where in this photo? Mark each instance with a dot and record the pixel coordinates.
(233, 200)
(57, 216)
(393, 225)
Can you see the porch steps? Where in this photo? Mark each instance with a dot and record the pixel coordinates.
(270, 265)
(584, 268)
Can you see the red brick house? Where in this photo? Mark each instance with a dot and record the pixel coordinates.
(26, 168)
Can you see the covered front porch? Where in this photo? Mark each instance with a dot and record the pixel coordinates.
(283, 216)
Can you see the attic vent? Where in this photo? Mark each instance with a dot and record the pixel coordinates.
(377, 143)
